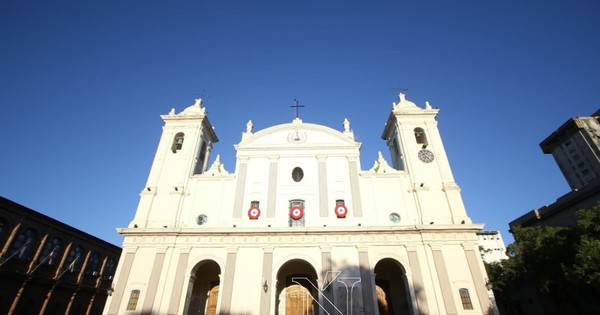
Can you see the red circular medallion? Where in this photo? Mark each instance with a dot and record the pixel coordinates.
(253, 213)
(296, 212)
(341, 211)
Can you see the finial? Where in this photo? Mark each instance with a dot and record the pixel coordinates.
(249, 126)
(172, 112)
(402, 97)
(198, 102)
(427, 105)
(346, 125)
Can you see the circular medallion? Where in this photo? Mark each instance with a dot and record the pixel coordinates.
(253, 213)
(394, 217)
(297, 137)
(296, 213)
(426, 156)
(341, 211)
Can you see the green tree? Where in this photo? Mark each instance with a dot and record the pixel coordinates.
(586, 268)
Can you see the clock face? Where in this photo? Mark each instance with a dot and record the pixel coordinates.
(426, 156)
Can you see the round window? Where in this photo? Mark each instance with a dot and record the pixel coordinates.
(202, 219)
(297, 174)
(394, 217)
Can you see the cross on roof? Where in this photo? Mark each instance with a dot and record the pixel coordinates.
(296, 106)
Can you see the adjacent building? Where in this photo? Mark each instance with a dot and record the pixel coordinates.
(576, 148)
(300, 227)
(48, 267)
(492, 246)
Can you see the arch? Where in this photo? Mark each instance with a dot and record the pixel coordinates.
(201, 159)
(24, 245)
(109, 269)
(52, 251)
(295, 291)
(75, 258)
(203, 288)
(177, 142)
(420, 137)
(391, 288)
(93, 264)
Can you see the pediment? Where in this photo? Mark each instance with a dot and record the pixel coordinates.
(297, 134)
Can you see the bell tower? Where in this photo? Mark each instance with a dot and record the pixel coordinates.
(416, 148)
(183, 152)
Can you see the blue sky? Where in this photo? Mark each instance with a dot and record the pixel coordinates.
(82, 85)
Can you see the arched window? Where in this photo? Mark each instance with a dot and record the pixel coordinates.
(199, 169)
(420, 137)
(177, 142)
(23, 246)
(51, 252)
(75, 258)
(93, 265)
(109, 269)
(465, 299)
(133, 300)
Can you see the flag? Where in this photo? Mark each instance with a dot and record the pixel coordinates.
(50, 257)
(71, 267)
(45, 259)
(22, 250)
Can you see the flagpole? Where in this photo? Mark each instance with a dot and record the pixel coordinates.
(43, 260)
(71, 266)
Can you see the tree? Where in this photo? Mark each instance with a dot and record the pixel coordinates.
(586, 268)
(561, 264)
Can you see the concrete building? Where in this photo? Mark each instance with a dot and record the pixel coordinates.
(576, 148)
(300, 227)
(492, 246)
(48, 267)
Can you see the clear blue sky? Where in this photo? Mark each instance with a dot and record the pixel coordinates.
(82, 85)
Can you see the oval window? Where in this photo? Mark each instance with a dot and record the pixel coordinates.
(297, 174)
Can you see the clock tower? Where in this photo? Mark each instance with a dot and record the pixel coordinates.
(416, 148)
(183, 152)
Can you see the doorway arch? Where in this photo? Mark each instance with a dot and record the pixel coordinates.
(203, 289)
(296, 294)
(391, 288)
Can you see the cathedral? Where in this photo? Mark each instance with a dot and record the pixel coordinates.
(300, 227)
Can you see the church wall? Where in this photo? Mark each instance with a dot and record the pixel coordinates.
(383, 195)
(426, 242)
(211, 197)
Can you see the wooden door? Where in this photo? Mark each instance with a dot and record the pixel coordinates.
(211, 301)
(298, 301)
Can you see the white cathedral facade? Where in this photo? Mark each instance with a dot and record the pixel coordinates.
(300, 227)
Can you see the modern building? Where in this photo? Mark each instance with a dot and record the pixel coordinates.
(576, 148)
(48, 267)
(492, 246)
(300, 227)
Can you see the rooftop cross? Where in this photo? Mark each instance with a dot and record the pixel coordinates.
(296, 106)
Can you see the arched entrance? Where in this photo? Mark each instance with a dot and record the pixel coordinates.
(391, 288)
(203, 289)
(295, 290)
